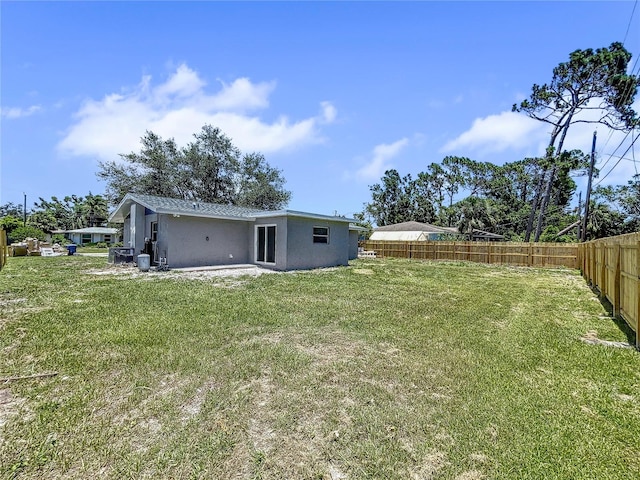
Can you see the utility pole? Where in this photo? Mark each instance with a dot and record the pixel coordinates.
(24, 210)
(588, 196)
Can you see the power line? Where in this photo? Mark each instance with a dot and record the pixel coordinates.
(612, 154)
(635, 4)
(633, 154)
(619, 160)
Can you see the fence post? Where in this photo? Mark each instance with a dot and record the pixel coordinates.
(592, 266)
(3, 248)
(616, 282)
(530, 256)
(603, 271)
(638, 294)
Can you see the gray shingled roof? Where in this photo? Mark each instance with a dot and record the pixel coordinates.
(174, 205)
(177, 206)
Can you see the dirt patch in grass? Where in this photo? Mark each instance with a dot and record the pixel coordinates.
(10, 405)
(471, 475)
(11, 308)
(128, 271)
(591, 338)
(363, 271)
(260, 429)
(325, 347)
(192, 406)
(8, 302)
(430, 465)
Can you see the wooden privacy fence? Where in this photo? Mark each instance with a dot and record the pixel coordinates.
(3, 248)
(506, 253)
(612, 265)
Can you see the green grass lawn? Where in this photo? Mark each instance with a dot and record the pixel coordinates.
(384, 369)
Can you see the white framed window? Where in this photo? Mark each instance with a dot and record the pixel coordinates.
(266, 243)
(86, 238)
(107, 238)
(320, 234)
(154, 231)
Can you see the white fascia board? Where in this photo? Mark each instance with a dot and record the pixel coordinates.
(293, 213)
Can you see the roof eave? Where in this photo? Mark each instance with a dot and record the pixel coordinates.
(180, 213)
(294, 213)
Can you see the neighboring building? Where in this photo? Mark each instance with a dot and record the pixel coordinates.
(188, 234)
(414, 231)
(81, 236)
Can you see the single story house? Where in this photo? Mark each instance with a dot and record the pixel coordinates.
(184, 233)
(414, 232)
(81, 236)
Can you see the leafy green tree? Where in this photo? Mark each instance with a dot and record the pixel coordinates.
(12, 209)
(8, 223)
(475, 213)
(589, 81)
(94, 210)
(621, 202)
(260, 185)
(363, 221)
(19, 234)
(422, 199)
(391, 201)
(628, 197)
(208, 169)
(56, 214)
(45, 220)
(70, 213)
(604, 221)
(211, 162)
(498, 196)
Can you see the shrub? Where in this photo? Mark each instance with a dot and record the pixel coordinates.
(59, 239)
(20, 233)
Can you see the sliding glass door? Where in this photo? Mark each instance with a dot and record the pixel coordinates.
(266, 243)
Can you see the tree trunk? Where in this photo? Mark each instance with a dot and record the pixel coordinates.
(545, 202)
(562, 131)
(534, 206)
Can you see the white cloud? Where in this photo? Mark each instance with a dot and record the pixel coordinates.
(497, 133)
(379, 161)
(184, 83)
(241, 95)
(329, 112)
(18, 112)
(528, 137)
(178, 108)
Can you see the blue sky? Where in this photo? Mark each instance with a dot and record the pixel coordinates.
(332, 93)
